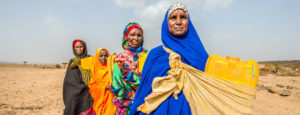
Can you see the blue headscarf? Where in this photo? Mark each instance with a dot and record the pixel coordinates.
(188, 46)
(192, 53)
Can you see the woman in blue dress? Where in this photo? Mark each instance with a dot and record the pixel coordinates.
(179, 35)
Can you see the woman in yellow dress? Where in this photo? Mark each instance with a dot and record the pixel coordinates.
(100, 84)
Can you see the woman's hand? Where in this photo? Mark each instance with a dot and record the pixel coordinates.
(131, 97)
(108, 87)
(76, 62)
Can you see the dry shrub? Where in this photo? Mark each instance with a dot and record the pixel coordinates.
(278, 69)
(287, 71)
(265, 69)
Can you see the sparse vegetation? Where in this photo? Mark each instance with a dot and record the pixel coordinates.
(295, 68)
(281, 68)
(277, 67)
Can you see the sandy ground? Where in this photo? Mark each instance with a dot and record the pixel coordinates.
(33, 91)
(274, 104)
(29, 91)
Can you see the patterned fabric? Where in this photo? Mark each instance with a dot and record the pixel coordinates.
(84, 66)
(126, 79)
(176, 6)
(88, 112)
(130, 61)
(206, 94)
(127, 72)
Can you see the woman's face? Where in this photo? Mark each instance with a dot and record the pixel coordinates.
(79, 48)
(178, 22)
(135, 37)
(103, 56)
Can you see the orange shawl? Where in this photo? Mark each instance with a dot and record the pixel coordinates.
(101, 76)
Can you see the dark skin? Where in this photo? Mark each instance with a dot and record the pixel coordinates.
(79, 48)
(79, 51)
(135, 38)
(178, 23)
(103, 60)
(132, 97)
(103, 56)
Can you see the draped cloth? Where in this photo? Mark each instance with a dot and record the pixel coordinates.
(179, 87)
(85, 68)
(82, 62)
(157, 65)
(76, 95)
(205, 93)
(102, 77)
(191, 51)
(126, 78)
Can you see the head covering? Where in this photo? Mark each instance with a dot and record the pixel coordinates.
(188, 46)
(101, 77)
(76, 42)
(177, 6)
(76, 95)
(84, 54)
(126, 46)
(127, 29)
(98, 66)
(192, 52)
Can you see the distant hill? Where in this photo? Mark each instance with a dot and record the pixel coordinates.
(2, 62)
(291, 63)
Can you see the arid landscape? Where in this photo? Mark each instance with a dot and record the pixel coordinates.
(37, 89)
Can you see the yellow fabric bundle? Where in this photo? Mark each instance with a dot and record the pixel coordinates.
(206, 94)
(87, 63)
(85, 67)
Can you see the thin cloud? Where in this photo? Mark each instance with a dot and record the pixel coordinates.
(152, 14)
(248, 26)
(130, 3)
(56, 26)
(51, 19)
(75, 1)
(211, 5)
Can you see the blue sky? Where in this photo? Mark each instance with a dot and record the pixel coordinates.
(42, 31)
